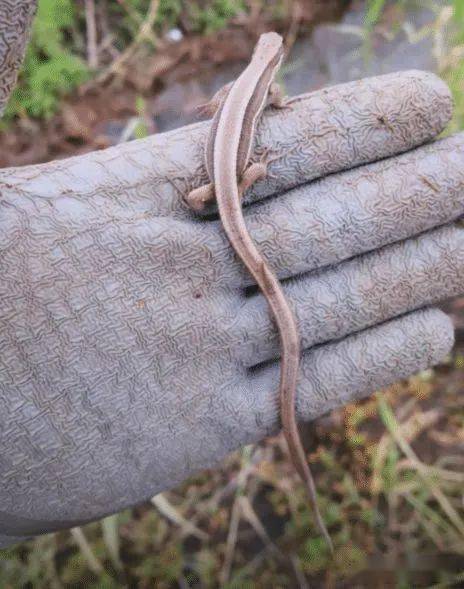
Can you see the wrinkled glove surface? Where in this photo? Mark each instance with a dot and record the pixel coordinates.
(134, 349)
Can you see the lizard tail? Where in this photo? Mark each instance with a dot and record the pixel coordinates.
(290, 363)
(299, 459)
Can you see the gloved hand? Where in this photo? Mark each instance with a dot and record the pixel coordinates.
(132, 350)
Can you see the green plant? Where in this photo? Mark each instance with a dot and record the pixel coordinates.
(214, 15)
(454, 72)
(455, 79)
(200, 17)
(50, 68)
(458, 9)
(373, 13)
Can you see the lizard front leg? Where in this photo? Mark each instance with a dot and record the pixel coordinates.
(276, 96)
(208, 109)
(199, 197)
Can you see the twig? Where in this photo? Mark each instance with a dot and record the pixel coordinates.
(133, 14)
(248, 569)
(166, 509)
(94, 564)
(46, 546)
(446, 475)
(250, 515)
(144, 33)
(111, 539)
(394, 429)
(295, 19)
(231, 486)
(107, 36)
(430, 525)
(231, 542)
(129, 129)
(301, 579)
(107, 45)
(453, 582)
(439, 36)
(91, 26)
(235, 516)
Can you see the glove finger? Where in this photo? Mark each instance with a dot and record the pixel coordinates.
(323, 132)
(359, 293)
(341, 127)
(331, 375)
(344, 371)
(360, 210)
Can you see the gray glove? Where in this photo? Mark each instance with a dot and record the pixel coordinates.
(132, 353)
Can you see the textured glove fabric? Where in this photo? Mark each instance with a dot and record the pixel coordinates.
(134, 349)
(15, 22)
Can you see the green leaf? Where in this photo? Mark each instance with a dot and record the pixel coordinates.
(373, 13)
(50, 69)
(458, 11)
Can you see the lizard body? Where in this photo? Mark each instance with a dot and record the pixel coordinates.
(227, 155)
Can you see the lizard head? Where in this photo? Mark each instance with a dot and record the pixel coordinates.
(269, 47)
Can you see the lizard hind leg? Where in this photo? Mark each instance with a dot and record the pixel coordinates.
(252, 174)
(199, 197)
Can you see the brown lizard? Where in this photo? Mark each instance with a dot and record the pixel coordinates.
(239, 107)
